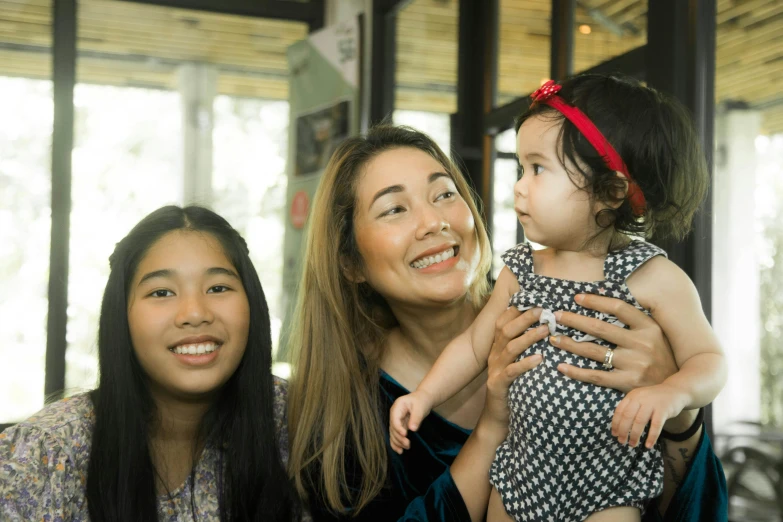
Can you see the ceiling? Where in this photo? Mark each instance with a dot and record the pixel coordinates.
(125, 43)
(749, 54)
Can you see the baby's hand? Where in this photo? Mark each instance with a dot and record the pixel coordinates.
(651, 404)
(407, 412)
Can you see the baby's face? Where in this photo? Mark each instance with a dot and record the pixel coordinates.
(552, 209)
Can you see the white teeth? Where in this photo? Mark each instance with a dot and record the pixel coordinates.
(431, 260)
(195, 349)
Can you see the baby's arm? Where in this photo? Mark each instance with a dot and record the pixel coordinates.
(462, 360)
(663, 288)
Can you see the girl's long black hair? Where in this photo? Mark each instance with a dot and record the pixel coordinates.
(253, 484)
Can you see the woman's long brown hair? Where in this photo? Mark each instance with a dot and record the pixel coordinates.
(338, 331)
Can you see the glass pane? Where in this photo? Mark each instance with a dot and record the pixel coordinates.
(506, 141)
(747, 209)
(121, 172)
(25, 208)
(249, 184)
(436, 125)
(426, 76)
(504, 218)
(147, 74)
(769, 209)
(524, 47)
(604, 30)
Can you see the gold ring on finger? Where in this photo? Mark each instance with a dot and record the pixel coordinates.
(608, 359)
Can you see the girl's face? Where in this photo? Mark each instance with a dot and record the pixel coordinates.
(415, 233)
(553, 211)
(188, 315)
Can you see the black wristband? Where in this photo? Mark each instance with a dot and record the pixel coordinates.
(687, 434)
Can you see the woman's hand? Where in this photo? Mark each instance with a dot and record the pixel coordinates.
(643, 356)
(511, 339)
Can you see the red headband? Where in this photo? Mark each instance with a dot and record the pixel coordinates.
(547, 94)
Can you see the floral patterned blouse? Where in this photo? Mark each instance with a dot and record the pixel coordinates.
(44, 460)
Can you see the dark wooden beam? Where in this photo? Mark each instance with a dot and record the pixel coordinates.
(680, 60)
(63, 78)
(477, 63)
(311, 12)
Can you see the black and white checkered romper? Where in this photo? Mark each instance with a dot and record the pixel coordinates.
(560, 461)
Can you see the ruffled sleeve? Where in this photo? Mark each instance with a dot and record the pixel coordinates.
(35, 476)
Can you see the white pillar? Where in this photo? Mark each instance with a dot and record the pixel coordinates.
(736, 315)
(198, 87)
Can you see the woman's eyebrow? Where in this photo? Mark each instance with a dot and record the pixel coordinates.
(399, 188)
(388, 190)
(436, 175)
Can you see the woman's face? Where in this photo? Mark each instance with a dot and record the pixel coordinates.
(415, 233)
(188, 315)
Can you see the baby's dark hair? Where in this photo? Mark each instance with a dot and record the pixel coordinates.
(654, 135)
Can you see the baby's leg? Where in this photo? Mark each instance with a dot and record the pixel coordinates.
(496, 511)
(616, 514)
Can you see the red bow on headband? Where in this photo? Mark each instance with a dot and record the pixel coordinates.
(547, 94)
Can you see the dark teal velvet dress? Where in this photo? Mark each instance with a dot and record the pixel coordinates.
(420, 487)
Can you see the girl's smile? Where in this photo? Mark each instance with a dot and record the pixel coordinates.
(188, 315)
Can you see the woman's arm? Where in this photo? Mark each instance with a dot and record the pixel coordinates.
(677, 455)
(470, 469)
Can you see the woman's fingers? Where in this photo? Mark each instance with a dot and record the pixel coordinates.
(512, 323)
(515, 347)
(596, 327)
(593, 351)
(513, 336)
(618, 380)
(516, 369)
(625, 312)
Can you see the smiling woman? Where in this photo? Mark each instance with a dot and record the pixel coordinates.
(422, 221)
(184, 356)
(188, 315)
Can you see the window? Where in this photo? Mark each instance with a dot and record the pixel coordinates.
(25, 233)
